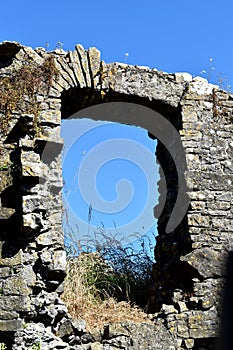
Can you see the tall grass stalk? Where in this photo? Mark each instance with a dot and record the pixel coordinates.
(106, 281)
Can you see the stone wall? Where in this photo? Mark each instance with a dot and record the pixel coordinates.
(190, 261)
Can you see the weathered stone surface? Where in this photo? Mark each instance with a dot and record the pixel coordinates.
(83, 59)
(33, 221)
(190, 261)
(79, 325)
(5, 178)
(75, 66)
(5, 272)
(68, 73)
(64, 328)
(50, 238)
(10, 325)
(208, 262)
(39, 335)
(59, 260)
(132, 80)
(94, 58)
(14, 303)
(96, 346)
(52, 116)
(5, 213)
(32, 166)
(15, 259)
(200, 89)
(7, 315)
(15, 285)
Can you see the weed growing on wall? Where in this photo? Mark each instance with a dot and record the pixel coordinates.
(222, 81)
(107, 282)
(36, 346)
(19, 90)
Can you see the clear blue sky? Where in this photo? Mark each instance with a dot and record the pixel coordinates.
(112, 168)
(169, 35)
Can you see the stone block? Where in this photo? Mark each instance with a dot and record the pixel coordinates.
(10, 261)
(208, 262)
(33, 221)
(15, 285)
(5, 213)
(50, 238)
(189, 343)
(94, 59)
(10, 325)
(96, 346)
(76, 68)
(15, 303)
(64, 328)
(4, 272)
(59, 262)
(83, 59)
(198, 220)
(52, 117)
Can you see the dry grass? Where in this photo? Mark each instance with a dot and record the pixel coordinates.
(19, 91)
(89, 286)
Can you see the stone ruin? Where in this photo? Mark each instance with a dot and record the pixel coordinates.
(189, 272)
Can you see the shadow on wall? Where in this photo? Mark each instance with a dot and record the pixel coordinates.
(226, 333)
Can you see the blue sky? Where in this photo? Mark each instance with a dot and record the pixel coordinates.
(173, 36)
(110, 168)
(168, 35)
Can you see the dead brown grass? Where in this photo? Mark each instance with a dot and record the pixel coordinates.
(86, 301)
(19, 91)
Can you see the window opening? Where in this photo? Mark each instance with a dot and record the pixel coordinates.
(101, 157)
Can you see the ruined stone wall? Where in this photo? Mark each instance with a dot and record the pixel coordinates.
(190, 260)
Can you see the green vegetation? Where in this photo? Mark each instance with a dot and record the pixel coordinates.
(107, 282)
(36, 346)
(4, 167)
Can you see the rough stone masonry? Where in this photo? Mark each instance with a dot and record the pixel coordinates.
(189, 272)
